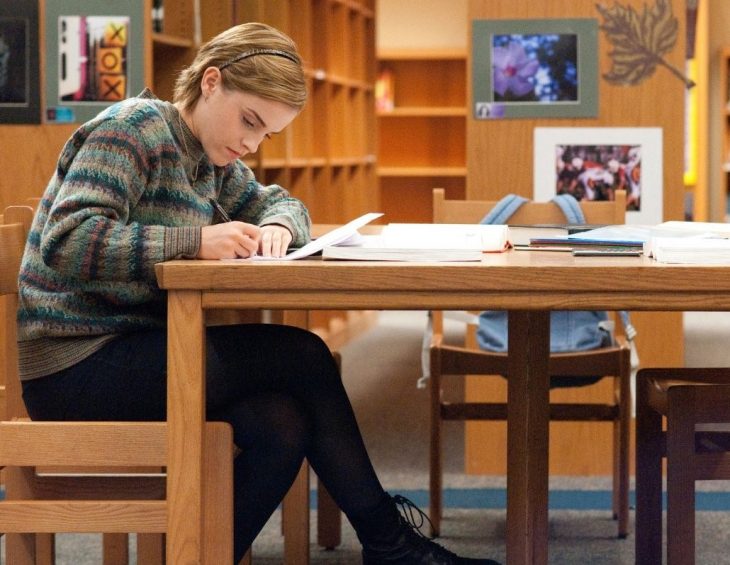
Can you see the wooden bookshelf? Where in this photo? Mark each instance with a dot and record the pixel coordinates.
(422, 140)
(327, 156)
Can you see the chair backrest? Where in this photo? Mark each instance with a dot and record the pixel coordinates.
(13, 233)
(472, 211)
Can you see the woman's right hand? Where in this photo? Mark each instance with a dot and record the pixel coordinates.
(229, 240)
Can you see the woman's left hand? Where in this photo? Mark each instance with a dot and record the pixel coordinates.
(275, 240)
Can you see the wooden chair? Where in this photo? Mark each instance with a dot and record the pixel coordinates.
(46, 492)
(453, 360)
(695, 404)
(115, 546)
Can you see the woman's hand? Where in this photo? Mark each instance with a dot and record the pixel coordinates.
(275, 240)
(229, 241)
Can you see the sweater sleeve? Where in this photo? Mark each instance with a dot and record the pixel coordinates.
(250, 201)
(88, 234)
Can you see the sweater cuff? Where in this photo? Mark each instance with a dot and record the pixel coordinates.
(182, 242)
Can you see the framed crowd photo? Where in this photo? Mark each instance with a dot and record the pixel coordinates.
(535, 68)
(592, 163)
(19, 71)
(94, 57)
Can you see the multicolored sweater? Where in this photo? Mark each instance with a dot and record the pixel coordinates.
(133, 187)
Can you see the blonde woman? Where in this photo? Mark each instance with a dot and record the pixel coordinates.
(147, 181)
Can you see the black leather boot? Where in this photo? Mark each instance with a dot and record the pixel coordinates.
(398, 539)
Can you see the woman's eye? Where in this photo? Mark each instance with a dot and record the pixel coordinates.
(248, 123)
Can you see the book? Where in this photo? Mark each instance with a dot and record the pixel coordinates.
(688, 242)
(691, 250)
(343, 235)
(370, 253)
(520, 234)
(570, 243)
(618, 239)
(426, 242)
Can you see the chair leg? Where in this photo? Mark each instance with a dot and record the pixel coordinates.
(616, 468)
(680, 477)
(329, 519)
(648, 479)
(150, 549)
(623, 456)
(20, 549)
(115, 549)
(45, 548)
(436, 457)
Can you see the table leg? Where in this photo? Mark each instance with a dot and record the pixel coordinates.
(528, 416)
(295, 516)
(186, 425)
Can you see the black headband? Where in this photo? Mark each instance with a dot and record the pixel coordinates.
(252, 52)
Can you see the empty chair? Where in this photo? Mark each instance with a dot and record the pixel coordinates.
(452, 361)
(695, 405)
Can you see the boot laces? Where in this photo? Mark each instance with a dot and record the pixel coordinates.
(412, 515)
(415, 519)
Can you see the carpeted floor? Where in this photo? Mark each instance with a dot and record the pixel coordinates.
(580, 526)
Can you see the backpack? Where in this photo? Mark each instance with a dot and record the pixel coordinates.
(570, 330)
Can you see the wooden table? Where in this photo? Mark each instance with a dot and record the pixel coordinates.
(528, 284)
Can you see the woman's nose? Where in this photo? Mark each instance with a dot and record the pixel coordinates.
(251, 142)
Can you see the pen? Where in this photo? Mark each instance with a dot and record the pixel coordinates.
(220, 211)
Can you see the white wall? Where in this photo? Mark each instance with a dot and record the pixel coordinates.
(421, 24)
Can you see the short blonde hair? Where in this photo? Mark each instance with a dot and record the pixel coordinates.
(278, 77)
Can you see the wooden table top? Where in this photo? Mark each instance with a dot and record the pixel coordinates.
(514, 279)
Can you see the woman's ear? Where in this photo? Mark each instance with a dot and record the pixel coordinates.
(211, 80)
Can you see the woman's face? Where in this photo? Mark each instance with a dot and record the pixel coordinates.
(231, 124)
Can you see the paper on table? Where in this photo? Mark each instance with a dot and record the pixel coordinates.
(337, 236)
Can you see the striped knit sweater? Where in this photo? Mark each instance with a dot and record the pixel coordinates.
(132, 188)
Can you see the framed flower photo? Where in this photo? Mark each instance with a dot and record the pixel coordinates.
(535, 68)
(592, 163)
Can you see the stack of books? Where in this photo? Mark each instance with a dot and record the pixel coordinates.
(581, 240)
(693, 243)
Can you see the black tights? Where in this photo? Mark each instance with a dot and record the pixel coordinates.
(279, 388)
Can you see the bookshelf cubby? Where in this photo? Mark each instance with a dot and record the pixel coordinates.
(422, 140)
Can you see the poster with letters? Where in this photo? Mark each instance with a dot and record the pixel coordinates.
(95, 57)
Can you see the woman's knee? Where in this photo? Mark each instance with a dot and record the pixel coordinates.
(270, 422)
(288, 429)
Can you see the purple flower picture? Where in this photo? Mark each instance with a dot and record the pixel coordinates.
(514, 71)
(535, 68)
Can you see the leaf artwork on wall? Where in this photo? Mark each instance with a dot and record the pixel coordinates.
(640, 41)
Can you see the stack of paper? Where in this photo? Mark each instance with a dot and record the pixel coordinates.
(689, 243)
(426, 242)
(692, 250)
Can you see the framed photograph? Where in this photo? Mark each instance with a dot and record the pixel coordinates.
(19, 80)
(592, 163)
(535, 68)
(94, 57)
